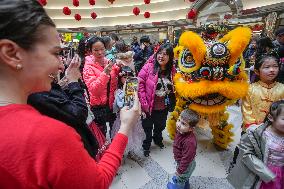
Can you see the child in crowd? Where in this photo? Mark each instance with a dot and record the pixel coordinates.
(260, 163)
(184, 149)
(137, 136)
(262, 93)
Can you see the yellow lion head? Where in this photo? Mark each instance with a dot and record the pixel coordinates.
(211, 73)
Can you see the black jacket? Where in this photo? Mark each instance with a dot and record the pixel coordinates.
(68, 106)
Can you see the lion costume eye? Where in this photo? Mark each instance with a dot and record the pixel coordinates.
(186, 59)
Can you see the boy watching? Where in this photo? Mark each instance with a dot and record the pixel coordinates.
(184, 149)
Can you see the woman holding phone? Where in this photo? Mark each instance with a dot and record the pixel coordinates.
(38, 151)
(100, 76)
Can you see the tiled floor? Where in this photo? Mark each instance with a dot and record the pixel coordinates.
(154, 171)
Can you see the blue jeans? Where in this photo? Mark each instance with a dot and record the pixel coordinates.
(182, 178)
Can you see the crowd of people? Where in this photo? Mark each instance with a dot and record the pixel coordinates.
(55, 110)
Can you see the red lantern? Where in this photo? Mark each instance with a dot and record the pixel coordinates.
(42, 2)
(76, 3)
(92, 2)
(111, 1)
(136, 11)
(66, 11)
(77, 17)
(147, 1)
(147, 15)
(191, 14)
(94, 15)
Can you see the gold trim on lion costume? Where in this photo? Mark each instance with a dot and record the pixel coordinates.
(210, 77)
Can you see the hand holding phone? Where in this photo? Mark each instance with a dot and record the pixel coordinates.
(131, 88)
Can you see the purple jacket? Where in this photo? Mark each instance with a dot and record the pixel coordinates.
(147, 85)
(184, 149)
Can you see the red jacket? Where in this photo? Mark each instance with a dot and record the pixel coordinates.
(40, 152)
(184, 149)
(96, 81)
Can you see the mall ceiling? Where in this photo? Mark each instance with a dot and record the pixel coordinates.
(120, 13)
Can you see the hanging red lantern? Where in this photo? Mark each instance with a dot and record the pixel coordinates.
(66, 11)
(147, 1)
(77, 17)
(94, 15)
(136, 11)
(92, 2)
(191, 14)
(147, 15)
(111, 1)
(76, 3)
(42, 2)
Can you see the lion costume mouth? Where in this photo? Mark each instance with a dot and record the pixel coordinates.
(210, 99)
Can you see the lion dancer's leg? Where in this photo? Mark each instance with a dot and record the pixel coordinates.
(221, 130)
(172, 119)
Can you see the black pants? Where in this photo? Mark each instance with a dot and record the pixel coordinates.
(156, 123)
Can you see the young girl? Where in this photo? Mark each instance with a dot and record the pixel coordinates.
(260, 163)
(137, 136)
(263, 92)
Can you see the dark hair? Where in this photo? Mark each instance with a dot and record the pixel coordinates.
(169, 50)
(274, 110)
(20, 21)
(145, 39)
(93, 40)
(124, 71)
(82, 50)
(113, 36)
(121, 47)
(106, 40)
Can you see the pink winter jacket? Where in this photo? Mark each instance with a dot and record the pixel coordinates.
(147, 85)
(96, 81)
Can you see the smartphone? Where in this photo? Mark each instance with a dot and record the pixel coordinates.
(131, 87)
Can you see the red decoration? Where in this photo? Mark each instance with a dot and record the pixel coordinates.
(92, 2)
(66, 11)
(136, 11)
(77, 17)
(76, 3)
(205, 73)
(147, 1)
(111, 1)
(94, 15)
(191, 14)
(147, 15)
(42, 2)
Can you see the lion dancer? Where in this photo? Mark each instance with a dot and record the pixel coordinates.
(211, 77)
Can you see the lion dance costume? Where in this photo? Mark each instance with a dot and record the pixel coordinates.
(211, 76)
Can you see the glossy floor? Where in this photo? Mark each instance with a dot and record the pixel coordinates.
(155, 171)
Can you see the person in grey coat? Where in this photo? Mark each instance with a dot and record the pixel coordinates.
(260, 162)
